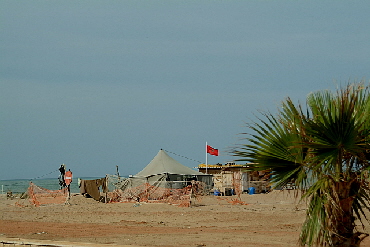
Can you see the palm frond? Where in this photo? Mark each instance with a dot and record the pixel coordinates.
(324, 150)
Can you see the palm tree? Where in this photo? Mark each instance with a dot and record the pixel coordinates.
(324, 149)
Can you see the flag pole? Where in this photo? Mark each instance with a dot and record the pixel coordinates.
(206, 160)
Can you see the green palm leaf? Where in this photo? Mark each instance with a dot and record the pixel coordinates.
(325, 151)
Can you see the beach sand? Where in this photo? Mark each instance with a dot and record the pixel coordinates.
(272, 219)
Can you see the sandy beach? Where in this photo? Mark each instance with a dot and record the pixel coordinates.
(272, 219)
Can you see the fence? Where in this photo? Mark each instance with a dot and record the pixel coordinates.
(41, 196)
(160, 193)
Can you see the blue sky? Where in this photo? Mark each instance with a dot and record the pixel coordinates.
(95, 84)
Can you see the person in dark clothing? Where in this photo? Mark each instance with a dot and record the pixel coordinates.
(62, 170)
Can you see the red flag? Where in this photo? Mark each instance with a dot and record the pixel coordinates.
(212, 151)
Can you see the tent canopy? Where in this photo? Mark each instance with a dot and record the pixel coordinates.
(162, 163)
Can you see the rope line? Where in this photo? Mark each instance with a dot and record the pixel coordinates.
(44, 175)
(183, 156)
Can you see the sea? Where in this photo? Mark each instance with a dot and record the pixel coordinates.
(18, 186)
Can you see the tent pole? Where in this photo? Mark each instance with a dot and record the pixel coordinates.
(117, 173)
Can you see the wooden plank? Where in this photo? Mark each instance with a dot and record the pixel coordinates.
(7, 242)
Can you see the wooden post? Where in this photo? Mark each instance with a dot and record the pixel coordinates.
(106, 186)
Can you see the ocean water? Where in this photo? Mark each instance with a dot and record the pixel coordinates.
(21, 185)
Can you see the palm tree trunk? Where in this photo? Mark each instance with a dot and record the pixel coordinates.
(344, 221)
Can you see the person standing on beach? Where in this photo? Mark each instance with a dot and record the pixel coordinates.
(68, 180)
(62, 170)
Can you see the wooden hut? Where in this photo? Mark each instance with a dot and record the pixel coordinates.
(236, 178)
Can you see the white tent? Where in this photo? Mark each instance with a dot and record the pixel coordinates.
(164, 171)
(162, 163)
